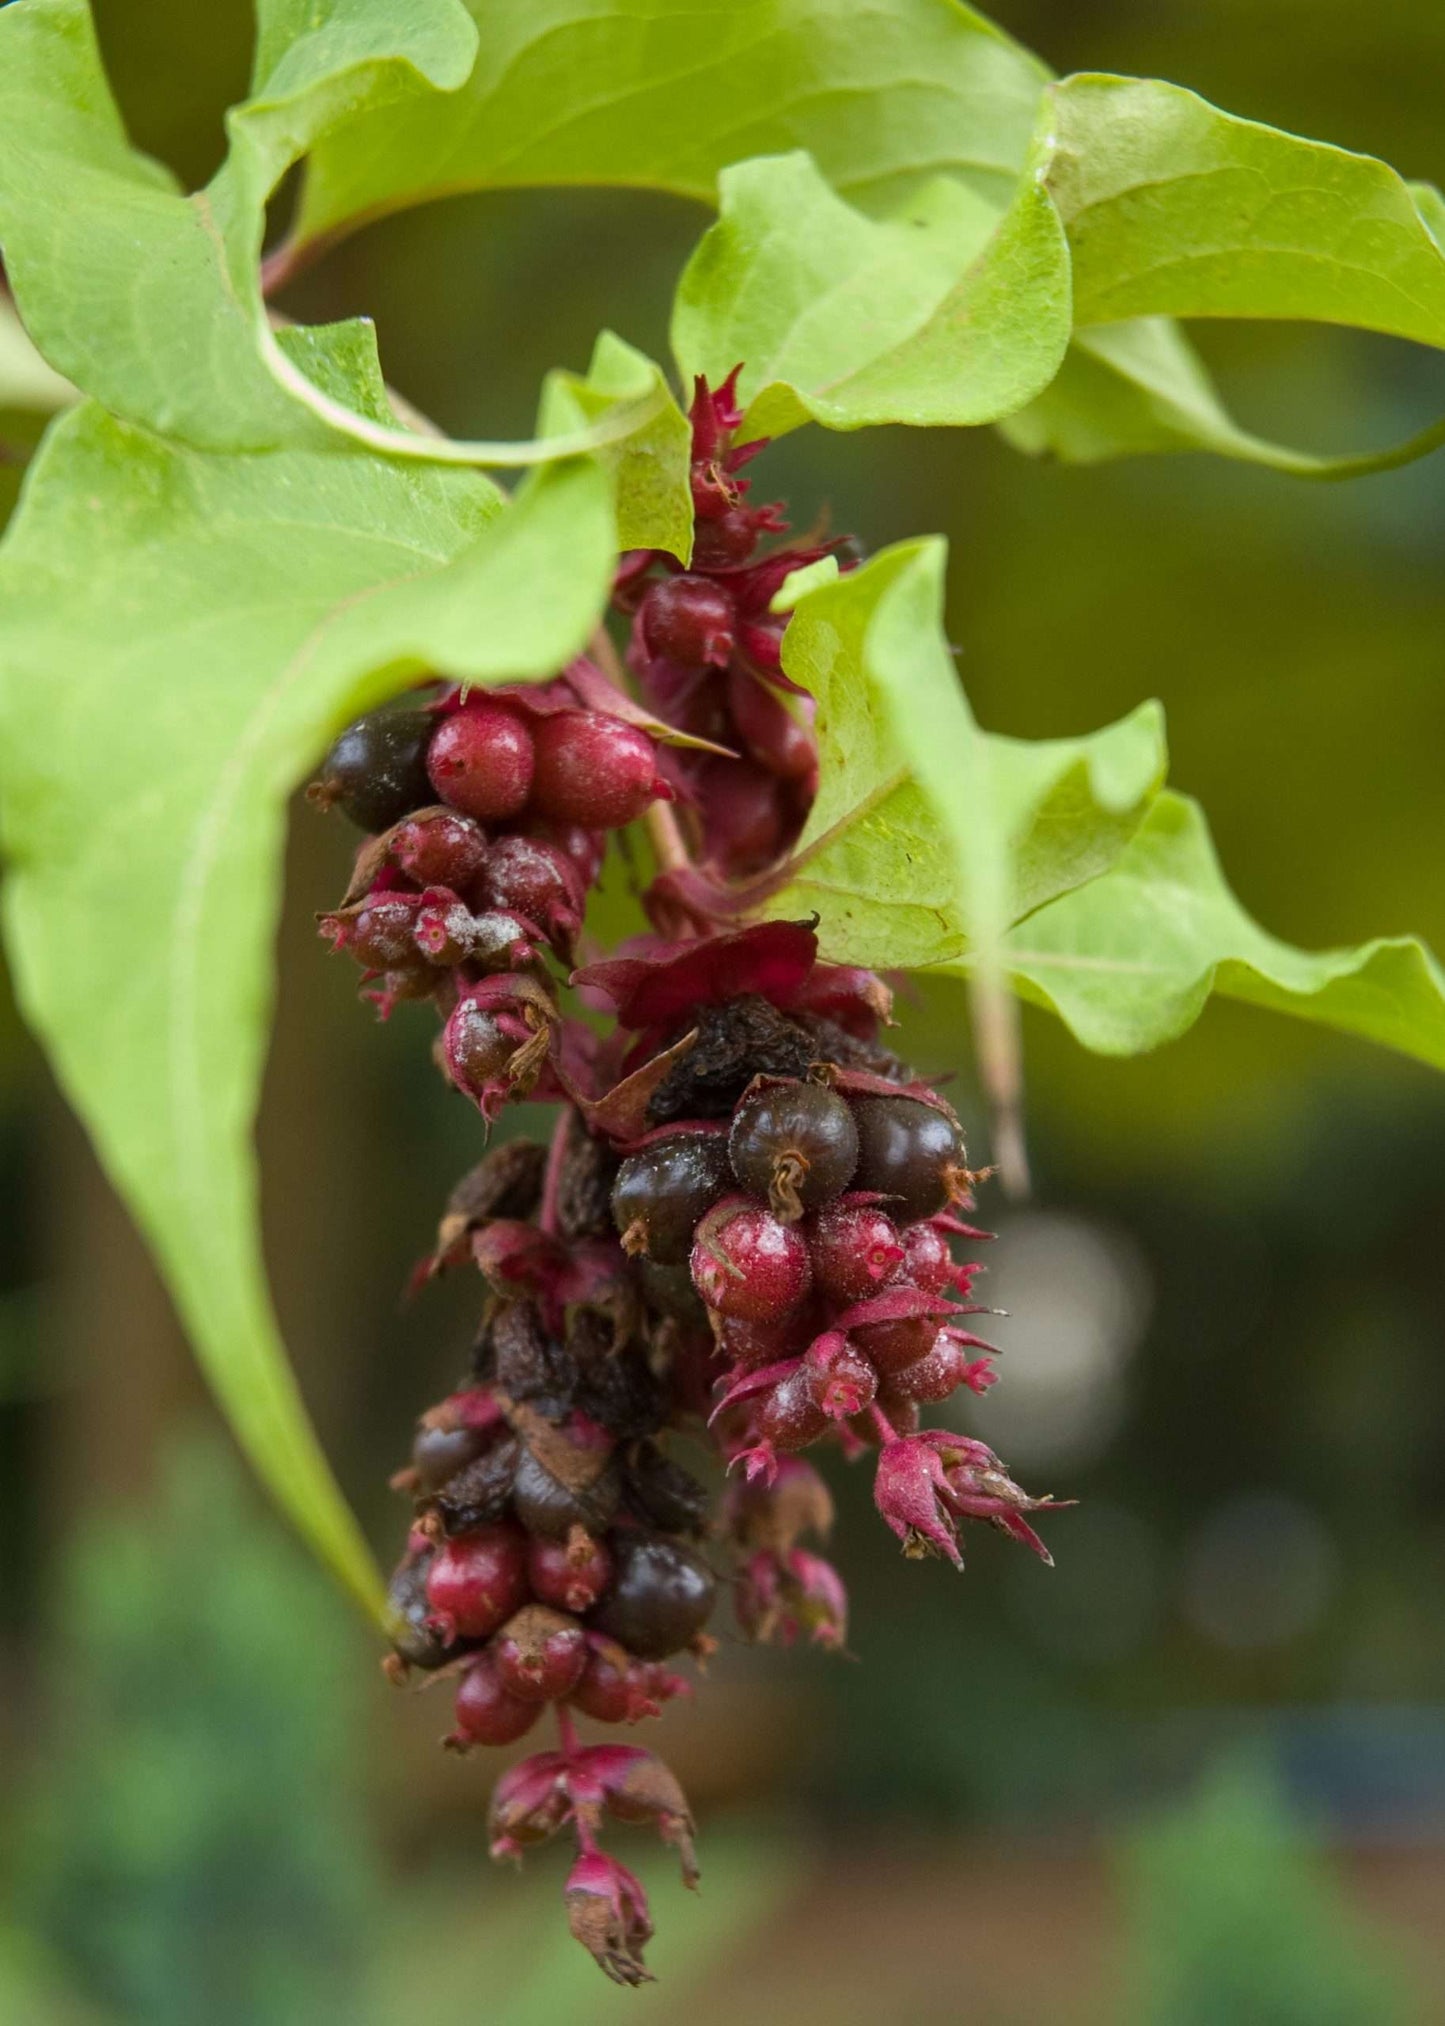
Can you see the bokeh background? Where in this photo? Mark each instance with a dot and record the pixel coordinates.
(1194, 1775)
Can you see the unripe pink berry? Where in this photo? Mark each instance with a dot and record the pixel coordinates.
(481, 760)
(477, 1580)
(689, 619)
(487, 1712)
(777, 738)
(927, 1260)
(855, 1248)
(594, 770)
(438, 848)
(540, 1654)
(570, 1575)
(747, 1263)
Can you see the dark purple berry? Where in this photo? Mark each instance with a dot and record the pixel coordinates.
(747, 1263)
(419, 1643)
(691, 620)
(855, 1249)
(908, 1153)
(476, 1581)
(439, 1453)
(594, 770)
(570, 1575)
(376, 774)
(547, 1505)
(487, 1712)
(663, 1191)
(540, 1654)
(661, 1596)
(480, 760)
(794, 1144)
(668, 1291)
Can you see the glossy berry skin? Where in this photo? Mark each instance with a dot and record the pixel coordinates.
(487, 1712)
(748, 1344)
(908, 1153)
(795, 1144)
(774, 737)
(476, 1581)
(690, 620)
(476, 1047)
(419, 1643)
(594, 770)
(376, 773)
(540, 1654)
(747, 1264)
(481, 761)
(547, 1506)
(571, 1574)
(664, 1190)
(438, 1454)
(661, 1597)
(856, 1249)
(789, 1416)
(841, 1380)
(927, 1259)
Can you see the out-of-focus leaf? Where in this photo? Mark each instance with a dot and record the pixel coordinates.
(1130, 960)
(650, 468)
(25, 379)
(156, 709)
(944, 312)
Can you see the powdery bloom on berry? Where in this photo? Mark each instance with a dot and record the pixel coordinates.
(607, 1912)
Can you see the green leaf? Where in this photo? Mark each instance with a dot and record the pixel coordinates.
(929, 835)
(25, 379)
(661, 96)
(943, 312)
(1130, 960)
(156, 709)
(651, 468)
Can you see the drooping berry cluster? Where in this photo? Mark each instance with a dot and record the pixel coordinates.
(741, 1233)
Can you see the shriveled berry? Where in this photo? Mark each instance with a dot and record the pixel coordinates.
(376, 774)
(570, 1574)
(546, 1505)
(855, 1249)
(481, 761)
(691, 620)
(661, 1597)
(594, 770)
(927, 1258)
(540, 1654)
(522, 876)
(418, 1642)
(794, 1144)
(663, 1191)
(487, 1712)
(476, 1581)
(747, 1263)
(789, 1417)
(908, 1153)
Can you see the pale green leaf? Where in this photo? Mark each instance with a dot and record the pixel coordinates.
(25, 380)
(943, 312)
(1130, 960)
(928, 834)
(156, 709)
(651, 468)
(883, 94)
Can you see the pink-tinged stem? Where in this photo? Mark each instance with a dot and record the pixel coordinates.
(552, 1180)
(886, 1431)
(566, 1731)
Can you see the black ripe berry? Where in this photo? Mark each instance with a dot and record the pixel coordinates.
(593, 769)
(663, 1190)
(438, 1453)
(661, 1596)
(416, 1640)
(375, 774)
(908, 1153)
(480, 761)
(795, 1144)
(691, 620)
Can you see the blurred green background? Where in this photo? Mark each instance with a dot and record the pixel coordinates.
(1194, 1775)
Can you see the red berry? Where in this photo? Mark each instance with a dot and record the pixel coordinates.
(789, 1417)
(777, 738)
(661, 1596)
(764, 1343)
(476, 1581)
(726, 538)
(481, 760)
(594, 770)
(438, 848)
(935, 1376)
(894, 1345)
(746, 821)
(540, 1654)
(612, 1688)
(486, 1710)
(747, 1263)
(689, 619)
(476, 1048)
(840, 1379)
(525, 877)
(570, 1575)
(908, 1153)
(585, 848)
(855, 1249)
(927, 1260)
(795, 1144)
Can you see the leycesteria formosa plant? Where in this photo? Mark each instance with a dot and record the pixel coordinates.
(238, 551)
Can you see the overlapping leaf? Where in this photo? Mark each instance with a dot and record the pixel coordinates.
(945, 312)
(155, 710)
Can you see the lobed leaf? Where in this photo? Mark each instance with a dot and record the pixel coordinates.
(945, 312)
(156, 709)
(1130, 960)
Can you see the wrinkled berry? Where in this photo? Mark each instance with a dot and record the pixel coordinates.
(545, 1505)
(747, 1263)
(661, 1596)
(908, 1153)
(480, 760)
(794, 1144)
(376, 774)
(594, 770)
(663, 1191)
